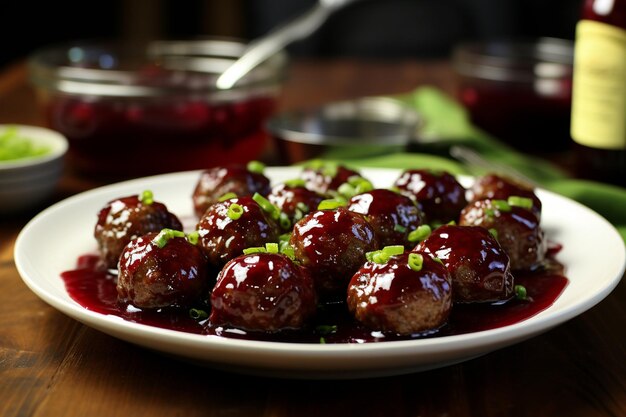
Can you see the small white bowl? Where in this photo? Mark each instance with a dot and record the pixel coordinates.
(28, 182)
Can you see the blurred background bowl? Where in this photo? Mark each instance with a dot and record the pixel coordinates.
(368, 126)
(518, 90)
(28, 182)
(134, 110)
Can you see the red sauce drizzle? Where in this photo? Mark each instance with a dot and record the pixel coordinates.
(95, 291)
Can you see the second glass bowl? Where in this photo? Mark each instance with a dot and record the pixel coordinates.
(147, 109)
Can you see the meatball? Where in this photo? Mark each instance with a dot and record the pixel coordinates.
(480, 268)
(327, 178)
(219, 181)
(263, 291)
(127, 218)
(396, 297)
(229, 227)
(162, 269)
(516, 228)
(295, 200)
(440, 196)
(393, 216)
(495, 187)
(333, 244)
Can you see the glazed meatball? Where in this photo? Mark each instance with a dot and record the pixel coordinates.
(440, 196)
(516, 228)
(333, 244)
(294, 200)
(328, 178)
(479, 267)
(229, 227)
(495, 187)
(264, 292)
(219, 181)
(395, 297)
(127, 218)
(157, 270)
(392, 215)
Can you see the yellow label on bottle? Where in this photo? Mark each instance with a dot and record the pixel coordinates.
(599, 86)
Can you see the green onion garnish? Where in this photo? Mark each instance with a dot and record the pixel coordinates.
(256, 167)
(197, 314)
(322, 340)
(399, 228)
(165, 235)
(415, 261)
(227, 196)
(271, 247)
(382, 256)
(520, 292)
(284, 221)
(193, 237)
(522, 202)
(494, 233)
(330, 204)
(419, 234)
(268, 207)
(254, 249)
(235, 211)
(501, 205)
(147, 197)
(326, 328)
(295, 182)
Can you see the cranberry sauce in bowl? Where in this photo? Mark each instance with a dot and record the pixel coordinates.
(141, 110)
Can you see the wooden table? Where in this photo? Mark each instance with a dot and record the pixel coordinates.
(52, 365)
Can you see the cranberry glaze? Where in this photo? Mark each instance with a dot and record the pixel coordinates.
(392, 215)
(397, 298)
(263, 292)
(218, 181)
(127, 218)
(440, 196)
(172, 274)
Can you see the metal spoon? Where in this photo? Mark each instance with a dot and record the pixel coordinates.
(261, 49)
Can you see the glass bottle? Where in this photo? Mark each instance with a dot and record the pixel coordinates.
(598, 124)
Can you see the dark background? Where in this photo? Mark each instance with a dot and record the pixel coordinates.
(369, 28)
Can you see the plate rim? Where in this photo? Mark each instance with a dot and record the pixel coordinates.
(310, 351)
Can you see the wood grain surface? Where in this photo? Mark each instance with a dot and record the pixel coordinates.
(52, 365)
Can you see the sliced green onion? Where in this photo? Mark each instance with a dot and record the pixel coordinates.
(198, 314)
(399, 228)
(288, 251)
(501, 205)
(271, 247)
(520, 292)
(347, 190)
(256, 167)
(330, 169)
(295, 183)
(322, 340)
(330, 204)
(284, 221)
(451, 223)
(415, 261)
(255, 249)
(393, 250)
(227, 196)
(165, 235)
(326, 328)
(419, 234)
(235, 211)
(439, 261)
(147, 197)
(494, 233)
(268, 207)
(489, 212)
(360, 184)
(522, 202)
(302, 207)
(193, 237)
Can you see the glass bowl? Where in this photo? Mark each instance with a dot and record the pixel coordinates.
(135, 110)
(518, 90)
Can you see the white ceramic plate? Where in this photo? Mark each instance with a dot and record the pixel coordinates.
(593, 253)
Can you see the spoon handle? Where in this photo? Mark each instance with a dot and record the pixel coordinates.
(261, 49)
